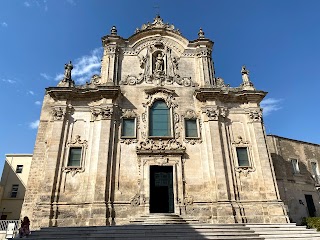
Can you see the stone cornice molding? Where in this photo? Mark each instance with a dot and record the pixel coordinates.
(65, 93)
(229, 95)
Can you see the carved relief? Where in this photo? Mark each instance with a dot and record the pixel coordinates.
(245, 170)
(128, 141)
(128, 113)
(190, 114)
(160, 145)
(57, 113)
(240, 141)
(158, 24)
(160, 67)
(101, 113)
(255, 115)
(188, 200)
(161, 160)
(214, 113)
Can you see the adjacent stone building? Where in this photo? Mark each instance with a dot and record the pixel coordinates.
(13, 184)
(296, 165)
(155, 132)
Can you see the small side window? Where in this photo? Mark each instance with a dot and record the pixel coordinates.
(191, 128)
(14, 191)
(19, 168)
(242, 155)
(295, 166)
(128, 128)
(75, 157)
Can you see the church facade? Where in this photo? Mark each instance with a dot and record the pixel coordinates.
(155, 132)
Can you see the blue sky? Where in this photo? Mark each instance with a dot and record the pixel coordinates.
(278, 41)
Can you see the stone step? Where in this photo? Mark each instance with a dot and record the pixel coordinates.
(180, 231)
(284, 231)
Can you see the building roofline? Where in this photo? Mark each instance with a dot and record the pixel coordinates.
(19, 154)
(272, 135)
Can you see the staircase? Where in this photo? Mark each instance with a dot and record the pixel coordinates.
(170, 226)
(287, 231)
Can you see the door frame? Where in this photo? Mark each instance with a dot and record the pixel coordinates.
(177, 178)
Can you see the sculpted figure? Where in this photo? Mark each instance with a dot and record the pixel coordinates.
(159, 63)
(245, 76)
(67, 70)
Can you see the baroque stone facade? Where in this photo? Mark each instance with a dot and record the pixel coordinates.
(98, 161)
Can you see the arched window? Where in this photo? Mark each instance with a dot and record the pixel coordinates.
(159, 120)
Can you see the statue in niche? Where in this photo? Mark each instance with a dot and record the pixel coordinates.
(158, 66)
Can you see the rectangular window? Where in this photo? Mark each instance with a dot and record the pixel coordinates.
(128, 127)
(14, 190)
(191, 128)
(19, 168)
(242, 155)
(74, 157)
(295, 166)
(159, 120)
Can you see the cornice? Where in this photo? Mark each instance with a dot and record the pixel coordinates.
(65, 93)
(229, 95)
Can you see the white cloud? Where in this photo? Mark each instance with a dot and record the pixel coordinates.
(30, 92)
(45, 76)
(39, 3)
(37, 103)
(4, 24)
(8, 81)
(34, 125)
(270, 105)
(85, 66)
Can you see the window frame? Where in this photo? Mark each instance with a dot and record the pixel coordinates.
(69, 155)
(185, 128)
(171, 135)
(242, 143)
(19, 168)
(295, 168)
(238, 160)
(13, 192)
(135, 128)
(77, 143)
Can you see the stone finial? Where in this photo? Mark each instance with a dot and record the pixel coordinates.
(114, 31)
(67, 70)
(246, 83)
(201, 34)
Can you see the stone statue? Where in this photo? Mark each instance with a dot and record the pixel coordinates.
(67, 70)
(245, 76)
(246, 83)
(159, 63)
